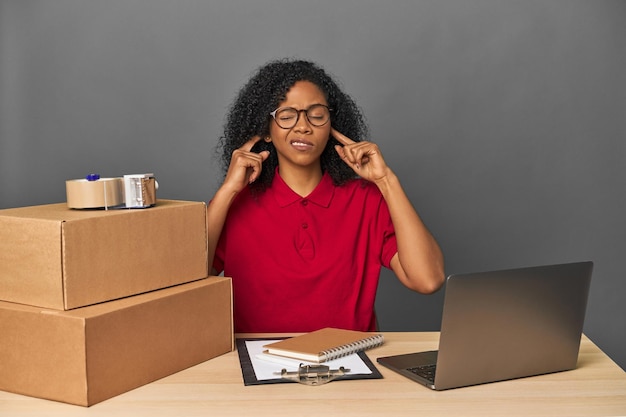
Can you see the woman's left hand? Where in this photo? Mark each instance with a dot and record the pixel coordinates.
(364, 158)
(419, 261)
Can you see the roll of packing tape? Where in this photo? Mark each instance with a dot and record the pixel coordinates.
(94, 192)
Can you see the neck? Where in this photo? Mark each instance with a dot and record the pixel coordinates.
(303, 180)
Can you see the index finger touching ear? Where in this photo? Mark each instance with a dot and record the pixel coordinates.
(249, 144)
(341, 138)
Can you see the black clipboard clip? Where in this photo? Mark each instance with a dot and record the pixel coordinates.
(313, 374)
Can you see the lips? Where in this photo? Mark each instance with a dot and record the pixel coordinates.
(301, 145)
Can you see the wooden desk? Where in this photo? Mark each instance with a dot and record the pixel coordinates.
(215, 388)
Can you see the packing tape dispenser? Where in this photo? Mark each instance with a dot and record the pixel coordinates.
(129, 191)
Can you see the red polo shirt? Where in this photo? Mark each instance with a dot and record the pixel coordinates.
(300, 264)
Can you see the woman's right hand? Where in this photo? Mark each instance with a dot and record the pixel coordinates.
(245, 166)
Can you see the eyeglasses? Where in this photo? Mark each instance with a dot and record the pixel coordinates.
(287, 117)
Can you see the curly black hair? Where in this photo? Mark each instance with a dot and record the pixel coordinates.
(249, 116)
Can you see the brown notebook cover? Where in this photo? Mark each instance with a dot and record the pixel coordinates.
(325, 344)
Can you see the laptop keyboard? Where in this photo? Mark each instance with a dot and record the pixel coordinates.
(424, 371)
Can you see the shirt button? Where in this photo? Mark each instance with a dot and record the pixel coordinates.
(305, 202)
(305, 225)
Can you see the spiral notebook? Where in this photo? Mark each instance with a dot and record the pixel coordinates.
(325, 344)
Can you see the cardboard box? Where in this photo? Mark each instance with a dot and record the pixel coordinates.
(56, 257)
(86, 355)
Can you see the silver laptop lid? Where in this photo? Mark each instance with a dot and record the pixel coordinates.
(512, 323)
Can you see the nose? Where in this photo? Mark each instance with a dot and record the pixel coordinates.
(302, 122)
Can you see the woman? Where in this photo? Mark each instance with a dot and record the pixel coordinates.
(309, 211)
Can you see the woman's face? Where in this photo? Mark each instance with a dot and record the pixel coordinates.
(301, 145)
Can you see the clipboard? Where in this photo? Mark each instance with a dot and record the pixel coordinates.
(250, 376)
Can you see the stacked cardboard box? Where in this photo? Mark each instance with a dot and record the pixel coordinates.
(94, 303)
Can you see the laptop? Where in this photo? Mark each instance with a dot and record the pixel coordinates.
(502, 325)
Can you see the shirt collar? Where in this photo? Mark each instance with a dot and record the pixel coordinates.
(321, 195)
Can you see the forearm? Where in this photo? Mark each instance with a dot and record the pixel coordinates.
(217, 211)
(419, 263)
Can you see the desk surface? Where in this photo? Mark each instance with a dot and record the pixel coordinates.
(596, 388)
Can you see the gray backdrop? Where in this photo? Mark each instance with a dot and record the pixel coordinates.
(505, 120)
